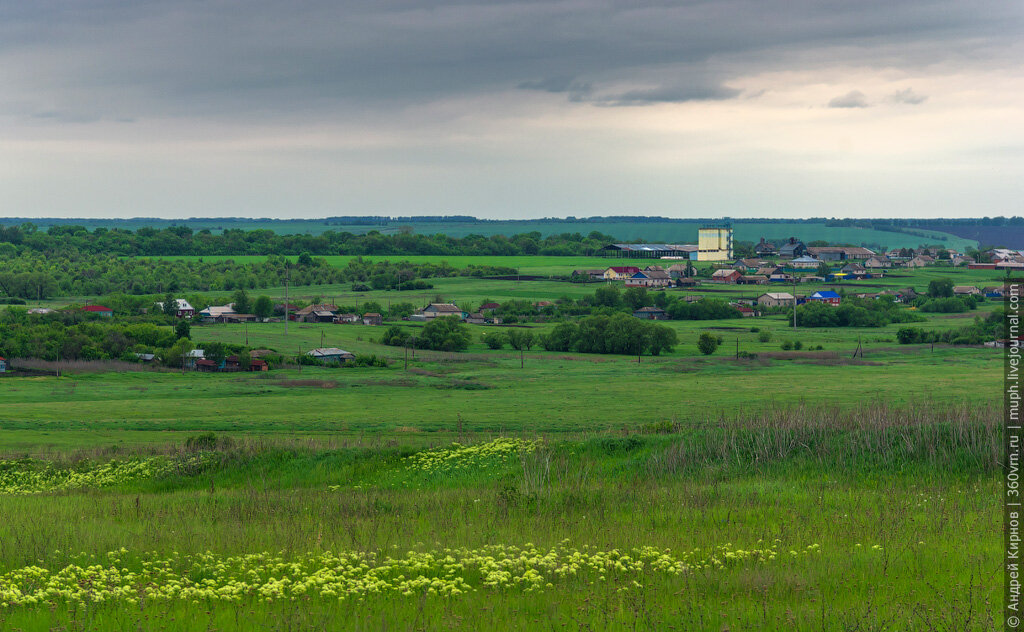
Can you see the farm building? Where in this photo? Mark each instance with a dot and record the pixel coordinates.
(746, 310)
(965, 290)
(825, 296)
(3, 365)
(373, 318)
(725, 275)
(839, 253)
(193, 357)
(775, 299)
(346, 318)
(752, 279)
(650, 313)
(650, 251)
(105, 312)
(490, 307)
(714, 243)
(617, 273)
(331, 354)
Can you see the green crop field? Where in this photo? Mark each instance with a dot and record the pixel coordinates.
(493, 490)
(664, 231)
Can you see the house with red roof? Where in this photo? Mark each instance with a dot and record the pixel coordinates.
(106, 312)
(618, 273)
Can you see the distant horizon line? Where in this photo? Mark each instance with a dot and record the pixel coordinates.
(360, 219)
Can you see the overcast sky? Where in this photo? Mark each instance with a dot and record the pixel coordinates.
(172, 108)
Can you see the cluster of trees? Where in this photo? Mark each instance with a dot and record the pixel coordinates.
(440, 334)
(608, 300)
(854, 312)
(38, 275)
(403, 275)
(181, 240)
(980, 331)
(618, 333)
(68, 336)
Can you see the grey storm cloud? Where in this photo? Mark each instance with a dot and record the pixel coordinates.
(907, 96)
(852, 99)
(112, 59)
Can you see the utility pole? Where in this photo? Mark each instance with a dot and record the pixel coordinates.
(247, 333)
(737, 347)
(794, 302)
(286, 300)
(321, 338)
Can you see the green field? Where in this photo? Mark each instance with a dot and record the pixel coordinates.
(489, 490)
(672, 232)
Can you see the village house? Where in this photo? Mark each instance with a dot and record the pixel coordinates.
(746, 310)
(490, 307)
(752, 279)
(677, 270)
(192, 358)
(825, 296)
(105, 312)
(687, 282)
(960, 260)
(3, 365)
(853, 268)
(216, 313)
(331, 354)
(906, 295)
(878, 261)
(373, 318)
(476, 318)
(725, 275)
(805, 262)
(436, 310)
(316, 313)
(920, 261)
(749, 264)
(202, 364)
(650, 313)
(764, 248)
(792, 249)
(346, 319)
(965, 290)
(775, 299)
(184, 309)
(652, 278)
(590, 275)
(619, 273)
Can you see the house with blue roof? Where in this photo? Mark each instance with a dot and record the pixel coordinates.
(825, 296)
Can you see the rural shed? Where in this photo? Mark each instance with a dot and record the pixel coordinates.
(331, 354)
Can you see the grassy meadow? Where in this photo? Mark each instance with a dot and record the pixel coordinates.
(488, 490)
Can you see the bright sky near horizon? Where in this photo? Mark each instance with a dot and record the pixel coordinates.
(509, 110)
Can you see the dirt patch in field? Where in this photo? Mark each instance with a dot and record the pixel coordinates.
(840, 362)
(401, 381)
(306, 383)
(465, 385)
(799, 355)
